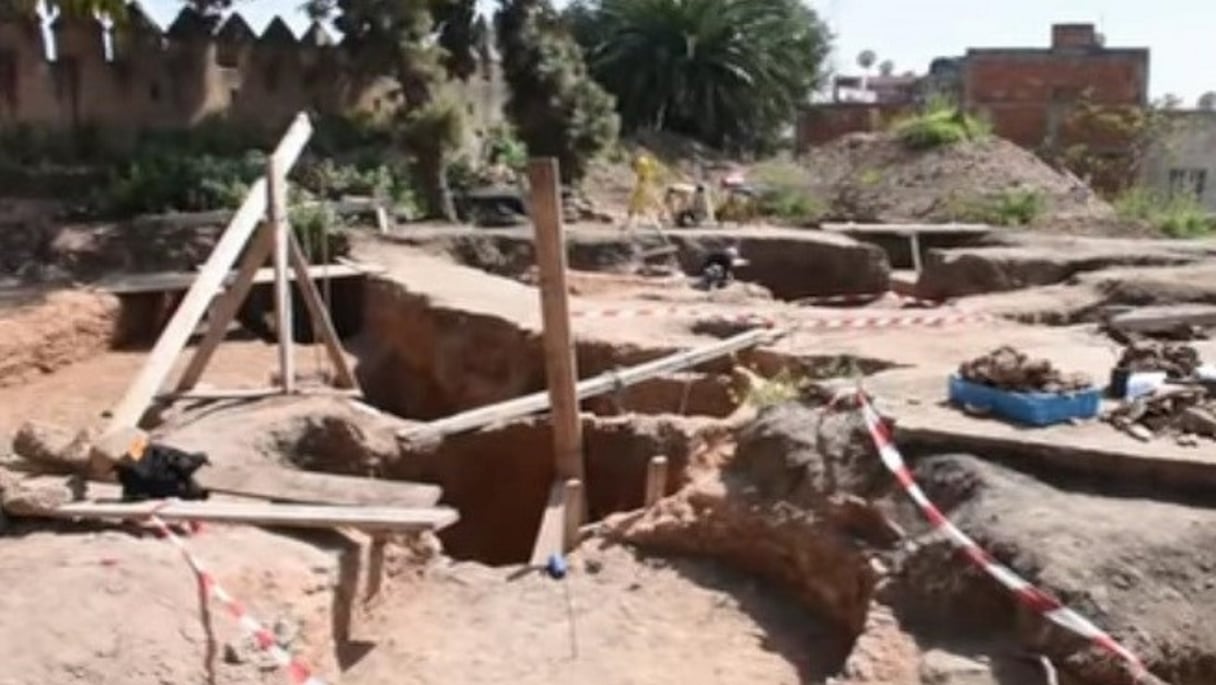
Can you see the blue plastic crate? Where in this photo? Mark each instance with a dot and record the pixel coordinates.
(1030, 408)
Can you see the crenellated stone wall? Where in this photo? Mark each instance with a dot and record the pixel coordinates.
(175, 78)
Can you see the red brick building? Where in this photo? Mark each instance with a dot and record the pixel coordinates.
(1029, 94)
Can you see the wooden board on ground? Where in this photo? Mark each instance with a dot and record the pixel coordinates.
(397, 519)
(287, 485)
(908, 229)
(168, 281)
(1164, 318)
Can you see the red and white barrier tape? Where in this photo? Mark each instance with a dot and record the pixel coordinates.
(298, 672)
(670, 312)
(894, 321)
(867, 298)
(1027, 594)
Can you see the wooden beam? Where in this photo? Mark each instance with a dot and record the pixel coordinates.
(656, 480)
(276, 216)
(170, 281)
(560, 366)
(475, 419)
(254, 393)
(130, 409)
(574, 505)
(224, 309)
(289, 485)
(257, 513)
(322, 325)
(550, 538)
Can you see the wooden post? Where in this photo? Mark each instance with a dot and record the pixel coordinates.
(914, 238)
(562, 512)
(656, 480)
(276, 210)
(560, 368)
(574, 511)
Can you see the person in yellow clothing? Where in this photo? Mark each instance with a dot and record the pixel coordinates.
(645, 197)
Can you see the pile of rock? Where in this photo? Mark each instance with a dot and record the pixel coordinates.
(1008, 368)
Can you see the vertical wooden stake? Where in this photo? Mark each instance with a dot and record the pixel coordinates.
(560, 366)
(561, 513)
(574, 510)
(916, 257)
(276, 208)
(656, 480)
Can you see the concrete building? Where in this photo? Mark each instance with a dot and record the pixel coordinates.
(1182, 161)
(1027, 93)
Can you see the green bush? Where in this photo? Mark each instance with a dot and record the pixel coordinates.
(162, 182)
(784, 192)
(321, 232)
(941, 123)
(1010, 207)
(1179, 216)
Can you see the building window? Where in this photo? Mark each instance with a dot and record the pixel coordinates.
(1188, 182)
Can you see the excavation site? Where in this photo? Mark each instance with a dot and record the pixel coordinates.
(445, 352)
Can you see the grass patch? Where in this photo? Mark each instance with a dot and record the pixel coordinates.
(784, 193)
(1011, 207)
(940, 124)
(1177, 217)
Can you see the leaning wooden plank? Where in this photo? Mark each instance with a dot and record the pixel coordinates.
(226, 307)
(604, 383)
(169, 281)
(287, 485)
(255, 393)
(322, 325)
(151, 377)
(257, 513)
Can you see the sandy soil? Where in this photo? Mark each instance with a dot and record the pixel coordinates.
(616, 618)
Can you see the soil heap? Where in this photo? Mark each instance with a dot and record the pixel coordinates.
(873, 177)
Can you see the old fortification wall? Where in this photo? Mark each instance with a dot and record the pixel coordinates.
(154, 79)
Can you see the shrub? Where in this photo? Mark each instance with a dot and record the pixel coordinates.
(161, 182)
(321, 232)
(1178, 216)
(941, 123)
(1010, 207)
(784, 192)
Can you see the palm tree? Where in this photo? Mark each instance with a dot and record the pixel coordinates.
(726, 72)
(866, 60)
(887, 67)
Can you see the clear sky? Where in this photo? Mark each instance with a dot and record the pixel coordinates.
(1181, 33)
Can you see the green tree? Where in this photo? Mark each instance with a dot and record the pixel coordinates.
(731, 73)
(397, 37)
(555, 107)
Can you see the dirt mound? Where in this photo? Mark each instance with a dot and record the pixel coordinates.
(1139, 569)
(53, 330)
(873, 177)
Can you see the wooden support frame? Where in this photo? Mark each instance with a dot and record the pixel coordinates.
(289, 515)
(266, 199)
(656, 480)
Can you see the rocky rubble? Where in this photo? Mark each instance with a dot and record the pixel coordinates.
(1010, 369)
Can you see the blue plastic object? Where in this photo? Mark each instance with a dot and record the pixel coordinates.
(1029, 408)
(556, 566)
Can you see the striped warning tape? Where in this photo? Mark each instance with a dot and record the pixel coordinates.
(673, 312)
(894, 321)
(867, 298)
(298, 672)
(1032, 597)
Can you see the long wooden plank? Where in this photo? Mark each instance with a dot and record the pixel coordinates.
(226, 307)
(173, 339)
(1165, 317)
(288, 485)
(170, 281)
(608, 382)
(276, 216)
(322, 325)
(254, 393)
(288, 515)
